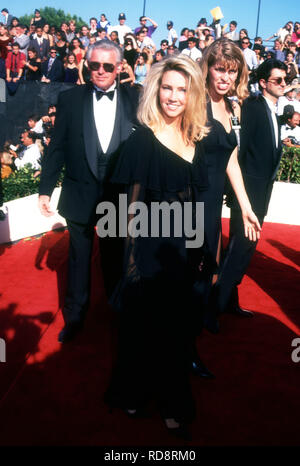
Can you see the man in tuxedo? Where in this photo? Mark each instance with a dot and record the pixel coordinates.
(40, 45)
(7, 16)
(259, 158)
(52, 69)
(92, 123)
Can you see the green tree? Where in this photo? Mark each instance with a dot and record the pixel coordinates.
(53, 17)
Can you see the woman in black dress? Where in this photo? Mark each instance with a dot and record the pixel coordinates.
(162, 162)
(71, 70)
(33, 66)
(225, 73)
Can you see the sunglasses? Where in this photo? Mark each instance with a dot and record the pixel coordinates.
(277, 80)
(95, 65)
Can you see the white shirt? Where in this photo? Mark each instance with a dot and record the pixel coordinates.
(30, 155)
(250, 58)
(193, 53)
(104, 114)
(147, 42)
(172, 34)
(122, 30)
(287, 131)
(233, 35)
(283, 101)
(273, 109)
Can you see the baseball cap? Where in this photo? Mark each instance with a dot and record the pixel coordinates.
(122, 16)
(170, 23)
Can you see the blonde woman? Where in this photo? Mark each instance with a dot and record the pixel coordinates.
(161, 162)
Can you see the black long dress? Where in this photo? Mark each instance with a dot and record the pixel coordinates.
(155, 296)
(218, 146)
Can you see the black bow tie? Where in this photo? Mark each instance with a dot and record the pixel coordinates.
(100, 94)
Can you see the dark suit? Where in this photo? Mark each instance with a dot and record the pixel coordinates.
(42, 49)
(259, 160)
(76, 145)
(56, 73)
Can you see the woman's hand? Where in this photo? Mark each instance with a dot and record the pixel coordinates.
(252, 226)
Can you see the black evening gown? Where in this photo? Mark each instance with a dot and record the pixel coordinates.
(155, 295)
(218, 146)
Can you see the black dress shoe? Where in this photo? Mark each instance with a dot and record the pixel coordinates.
(237, 310)
(69, 332)
(199, 369)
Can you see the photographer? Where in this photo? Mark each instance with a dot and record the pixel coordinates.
(290, 131)
(31, 154)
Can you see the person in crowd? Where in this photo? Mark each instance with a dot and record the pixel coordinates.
(172, 34)
(129, 51)
(259, 157)
(33, 67)
(126, 75)
(141, 69)
(61, 45)
(143, 22)
(14, 22)
(103, 23)
(37, 20)
(290, 131)
(52, 68)
(14, 63)
(192, 51)
(5, 39)
(31, 154)
(292, 68)
(114, 37)
(289, 98)
(243, 33)
(22, 38)
(226, 75)
(93, 27)
(286, 43)
(148, 52)
(77, 48)
(249, 55)
(6, 164)
(71, 70)
(278, 54)
(40, 44)
(101, 33)
(145, 41)
(296, 34)
(259, 52)
(92, 123)
(209, 39)
(160, 162)
(7, 17)
(159, 55)
(71, 34)
(47, 34)
(182, 41)
(171, 50)
(35, 124)
(84, 36)
(121, 28)
(282, 33)
(31, 33)
(233, 32)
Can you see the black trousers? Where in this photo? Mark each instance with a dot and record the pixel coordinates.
(79, 268)
(236, 260)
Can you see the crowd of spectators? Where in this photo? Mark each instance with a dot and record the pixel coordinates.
(42, 52)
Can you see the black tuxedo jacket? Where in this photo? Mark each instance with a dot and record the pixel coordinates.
(41, 50)
(57, 71)
(75, 145)
(258, 157)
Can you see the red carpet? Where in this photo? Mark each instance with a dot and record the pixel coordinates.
(53, 395)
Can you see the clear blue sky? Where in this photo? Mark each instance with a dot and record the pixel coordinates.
(273, 13)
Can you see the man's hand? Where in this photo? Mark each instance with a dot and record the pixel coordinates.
(44, 206)
(252, 226)
(8, 79)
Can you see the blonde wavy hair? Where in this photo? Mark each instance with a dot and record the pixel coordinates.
(193, 124)
(226, 53)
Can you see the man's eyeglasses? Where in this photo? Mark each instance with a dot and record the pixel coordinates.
(246, 43)
(95, 65)
(277, 81)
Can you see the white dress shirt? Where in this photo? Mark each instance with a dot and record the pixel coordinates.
(250, 58)
(104, 114)
(287, 131)
(283, 101)
(273, 109)
(30, 155)
(193, 53)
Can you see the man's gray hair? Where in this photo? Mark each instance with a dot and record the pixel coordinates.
(105, 45)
